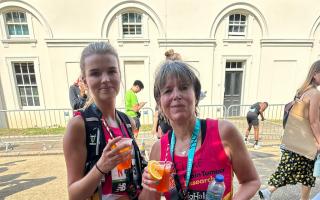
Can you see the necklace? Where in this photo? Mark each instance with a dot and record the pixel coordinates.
(184, 150)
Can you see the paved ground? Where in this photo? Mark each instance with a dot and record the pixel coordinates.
(35, 169)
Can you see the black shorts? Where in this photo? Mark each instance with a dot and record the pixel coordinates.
(252, 119)
(137, 121)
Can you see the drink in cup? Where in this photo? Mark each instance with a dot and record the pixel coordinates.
(126, 164)
(161, 171)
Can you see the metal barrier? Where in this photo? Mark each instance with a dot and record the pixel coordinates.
(270, 130)
(44, 118)
(212, 111)
(50, 118)
(146, 117)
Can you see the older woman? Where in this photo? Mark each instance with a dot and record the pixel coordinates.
(218, 146)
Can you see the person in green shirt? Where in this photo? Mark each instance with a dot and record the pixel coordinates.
(132, 104)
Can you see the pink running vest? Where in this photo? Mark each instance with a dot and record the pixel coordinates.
(209, 160)
(107, 186)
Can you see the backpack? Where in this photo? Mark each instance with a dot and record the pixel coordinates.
(95, 143)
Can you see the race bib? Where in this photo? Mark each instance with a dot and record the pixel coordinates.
(119, 180)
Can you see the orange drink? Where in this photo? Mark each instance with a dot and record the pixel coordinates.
(126, 164)
(161, 171)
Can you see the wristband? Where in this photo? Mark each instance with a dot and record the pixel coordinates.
(100, 170)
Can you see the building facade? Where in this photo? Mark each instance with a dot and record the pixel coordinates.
(244, 51)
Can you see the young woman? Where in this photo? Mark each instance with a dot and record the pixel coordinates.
(294, 168)
(217, 144)
(90, 164)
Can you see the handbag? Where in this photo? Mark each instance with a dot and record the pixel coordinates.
(286, 112)
(298, 136)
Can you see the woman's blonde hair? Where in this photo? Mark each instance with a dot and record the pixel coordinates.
(171, 55)
(100, 48)
(309, 82)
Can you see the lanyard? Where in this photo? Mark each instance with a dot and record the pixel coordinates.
(192, 149)
(109, 130)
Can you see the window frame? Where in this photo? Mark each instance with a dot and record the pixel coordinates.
(25, 85)
(234, 62)
(14, 87)
(6, 37)
(238, 25)
(141, 23)
(26, 23)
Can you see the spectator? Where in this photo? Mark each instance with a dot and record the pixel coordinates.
(133, 106)
(252, 120)
(294, 168)
(78, 94)
(160, 126)
(171, 55)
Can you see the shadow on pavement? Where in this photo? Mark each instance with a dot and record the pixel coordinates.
(11, 184)
(11, 163)
(3, 169)
(8, 178)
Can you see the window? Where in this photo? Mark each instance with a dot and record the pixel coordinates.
(16, 24)
(237, 25)
(26, 83)
(132, 24)
(233, 65)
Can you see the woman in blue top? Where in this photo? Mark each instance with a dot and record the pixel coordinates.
(252, 120)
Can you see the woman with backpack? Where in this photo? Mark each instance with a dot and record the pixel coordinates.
(90, 145)
(294, 168)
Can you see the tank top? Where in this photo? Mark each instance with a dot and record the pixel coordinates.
(255, 108)
(107, 185)
(209, 160)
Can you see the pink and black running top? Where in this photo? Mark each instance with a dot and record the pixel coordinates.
(209, 160)
(107, 185)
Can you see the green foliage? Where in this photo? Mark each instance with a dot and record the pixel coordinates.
(146, 127)
(32, 131)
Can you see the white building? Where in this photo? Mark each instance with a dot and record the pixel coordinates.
(244, 51)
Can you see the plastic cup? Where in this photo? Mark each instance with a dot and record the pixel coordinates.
(165, 169)
(127, 163)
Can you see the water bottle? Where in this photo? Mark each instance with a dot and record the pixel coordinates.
(216, 188)
(143, 149)
(316, 169)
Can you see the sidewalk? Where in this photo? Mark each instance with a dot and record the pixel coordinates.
(52, 144)
(46, 151)
(32, 145)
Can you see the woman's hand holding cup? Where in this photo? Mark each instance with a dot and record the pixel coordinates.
(112, 155)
